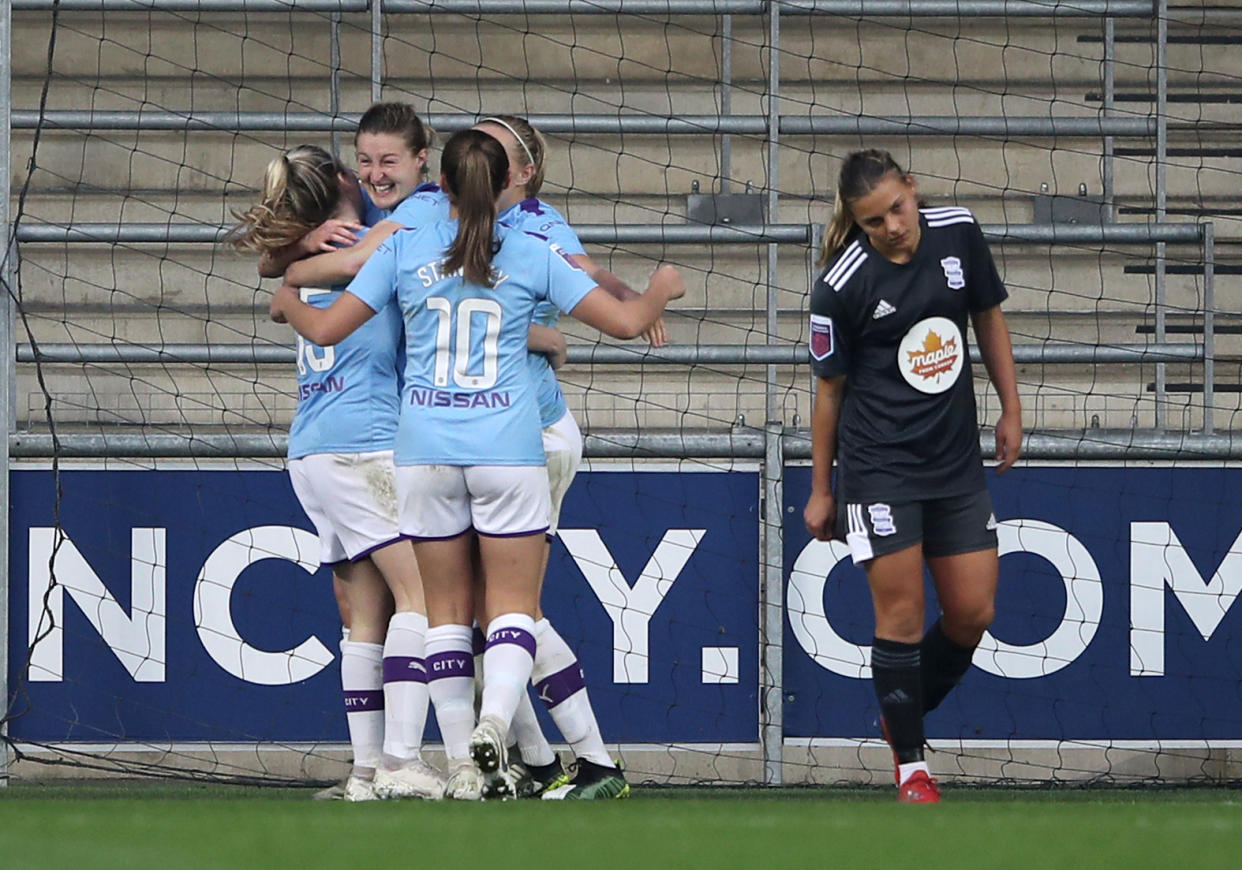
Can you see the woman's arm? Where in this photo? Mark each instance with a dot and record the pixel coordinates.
(548, 341)
(992, 336)
(656, 335)
(632, 317)
(338, 266)
(322, 326)
(820, 513)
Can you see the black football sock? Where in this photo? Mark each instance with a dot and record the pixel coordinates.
(895, 672)
(944, 665)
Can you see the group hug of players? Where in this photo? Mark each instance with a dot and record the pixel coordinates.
(432, 445)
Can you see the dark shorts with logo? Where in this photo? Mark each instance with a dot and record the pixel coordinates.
(945, 526)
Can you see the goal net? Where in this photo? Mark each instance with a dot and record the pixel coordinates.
(166, 612)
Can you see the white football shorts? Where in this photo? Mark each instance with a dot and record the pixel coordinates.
(443, 501)
(352, 500)
(562, 442)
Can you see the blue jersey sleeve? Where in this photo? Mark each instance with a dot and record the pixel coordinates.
(426, 205)
(563, 236)
(536, 217)
(376, 282)
(568, 284)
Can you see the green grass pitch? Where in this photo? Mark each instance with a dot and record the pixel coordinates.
(144, 825)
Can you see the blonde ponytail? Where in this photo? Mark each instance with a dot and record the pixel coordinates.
(300, 191)
(838, 231)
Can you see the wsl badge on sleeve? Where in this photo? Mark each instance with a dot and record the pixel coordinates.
(821, 336)
(568, 258)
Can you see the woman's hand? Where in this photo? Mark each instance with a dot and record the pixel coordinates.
(330, 235)
(1008, 439)
(655, 334)
(667, 280)
(820, 516)
(548, 341)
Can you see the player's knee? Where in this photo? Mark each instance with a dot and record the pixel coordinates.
(966, 625)
(900, 622)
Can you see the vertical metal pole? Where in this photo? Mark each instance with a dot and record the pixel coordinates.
(1110, 95)
(377, 49)
(726, 100)
(8, 386)
(772, 687)
(1162, 154)
(334, 85)
(1209, 325)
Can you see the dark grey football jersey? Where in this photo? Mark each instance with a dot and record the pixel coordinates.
(897, 332)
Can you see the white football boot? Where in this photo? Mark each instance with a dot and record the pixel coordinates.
(413, 779)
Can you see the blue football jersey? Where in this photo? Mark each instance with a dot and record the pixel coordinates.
(371, 213)
(468, 397)
(426, 204)
(538, 218)
(348, 394)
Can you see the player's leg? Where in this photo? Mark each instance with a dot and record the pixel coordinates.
(336, 791)
(435, 513)
(557, 674)
(960, 546)
(370, 607)
(896, 582)
(403, 772)
(509, 508)
(445, 566)
(886, 539)
(966, 586)
(358, 494)
(532, 761)
(313, 480)
(342, 604)
(538, 769)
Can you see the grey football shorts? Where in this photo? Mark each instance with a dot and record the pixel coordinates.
(945, 526)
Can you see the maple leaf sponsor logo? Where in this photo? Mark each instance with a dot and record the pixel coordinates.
(931, 355)
(935, 357)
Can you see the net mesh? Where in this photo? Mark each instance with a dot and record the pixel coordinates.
(660, 126)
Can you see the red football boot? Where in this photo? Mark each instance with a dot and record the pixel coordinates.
(919, 789)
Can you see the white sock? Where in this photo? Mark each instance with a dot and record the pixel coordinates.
(525, 729)
(450, 683)
(405, 686)
(558, 680)
(905, 771)
(362, 683)
(507, 664)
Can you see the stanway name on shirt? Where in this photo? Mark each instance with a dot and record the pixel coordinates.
(449, 399)
(432, 273)
(328, 385)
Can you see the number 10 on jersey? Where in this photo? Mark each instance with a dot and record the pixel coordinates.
(312, 357)
(454, 351)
